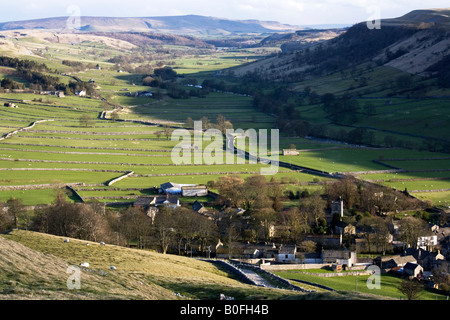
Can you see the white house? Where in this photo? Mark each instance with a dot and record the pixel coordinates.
(426, 242)
(286, 254)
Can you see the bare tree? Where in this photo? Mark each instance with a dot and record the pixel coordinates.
(16, 209)
(313, 208)
(158, 134)
(411, 229)
(86, 121)
(164, 228)
(441, 276)
(410, 288)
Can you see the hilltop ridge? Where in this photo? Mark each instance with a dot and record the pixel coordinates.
(194, 25)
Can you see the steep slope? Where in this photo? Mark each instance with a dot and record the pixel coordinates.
(412, 43)
(188, 25)
(29, 274)
(33, 265)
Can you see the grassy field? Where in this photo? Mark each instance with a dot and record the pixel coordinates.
(130, 146)
(351, 283)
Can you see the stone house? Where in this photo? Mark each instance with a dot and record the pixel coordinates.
(412, 270)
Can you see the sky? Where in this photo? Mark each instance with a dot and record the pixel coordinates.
(294, 12)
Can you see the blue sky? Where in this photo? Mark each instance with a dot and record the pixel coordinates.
(295, 12)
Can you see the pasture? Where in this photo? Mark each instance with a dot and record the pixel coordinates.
(351, 283)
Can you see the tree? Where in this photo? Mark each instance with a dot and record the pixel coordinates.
(308, 246)
(86, 121)
(313, 208)
(255, 192)
(346, 189)
(135, 226)
(16, 208)
(164, 228)
(189, 123)
(441, 276)
(115, 115)
(75, 220)
(5, 220)
(410, 288)
(158, 134)
(207, 232)
(223, 124)
(295, 222)
(205, 123)
(167, 132)
(263, 220)
(376, 232)
(411, 229)
(231, 191)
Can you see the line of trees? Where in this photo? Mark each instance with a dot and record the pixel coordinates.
(178, 230)
(247, 211)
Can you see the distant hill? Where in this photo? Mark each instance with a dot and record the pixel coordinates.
(186, 25)
(301, 39)
(413, 43)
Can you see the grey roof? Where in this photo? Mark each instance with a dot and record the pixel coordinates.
(197, 205)
(411, 266)
(143, 201)
(169, 185)
(339, 254)
(287, 250)
(193, 187)
(162, 200)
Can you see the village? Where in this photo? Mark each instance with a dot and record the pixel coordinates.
(340, 250)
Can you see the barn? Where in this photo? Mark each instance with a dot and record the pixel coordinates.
(194, 191)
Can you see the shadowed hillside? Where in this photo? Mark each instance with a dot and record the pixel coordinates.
(412, 43)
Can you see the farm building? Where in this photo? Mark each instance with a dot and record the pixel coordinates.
(412, 269)
(390, 262)
(146, 202)
(173, 188)
(59, 94)
(290, 152)
(342, 257)
(194, 191)
(10, 105)
(199, 207)
(344, 228)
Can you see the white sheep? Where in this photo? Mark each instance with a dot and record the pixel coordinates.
(66, 240)
(84, 264)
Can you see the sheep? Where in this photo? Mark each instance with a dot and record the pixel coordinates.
(113, 268)
(84, 264)
(102, 243)
(66, 240)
